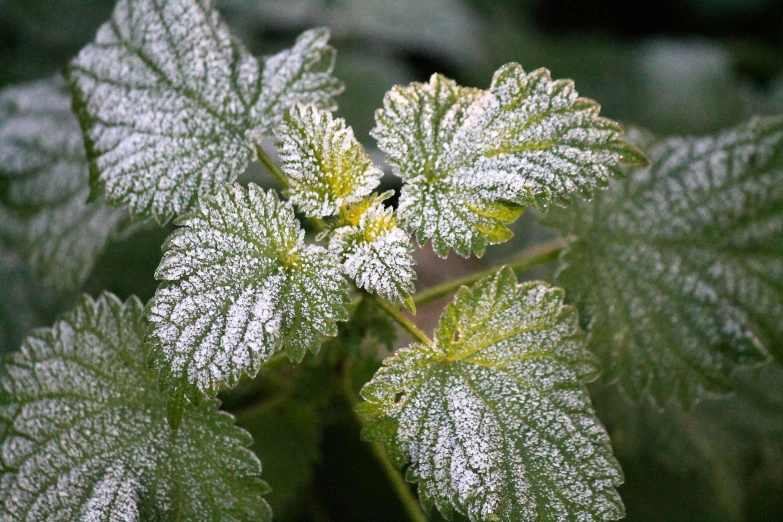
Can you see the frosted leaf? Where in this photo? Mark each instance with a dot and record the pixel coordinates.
(85, 434)
(376, 253)
(45, 184)
(239, 283)
(680, 267)
(471, 159)
(172, 107)
(326, 166)
(302, 74)
(494, 417)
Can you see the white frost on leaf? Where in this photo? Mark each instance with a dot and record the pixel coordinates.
(44, 177)
(494, 417)
(302, 74)
(376, 253)
(325, 164)
(85, 435)
(472, 159)
(680, 266)
(172, 107)
(239, 283)
(115, 498)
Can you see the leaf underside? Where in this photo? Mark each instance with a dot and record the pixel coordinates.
(239, 283)
(44, 182)
(172, 107)
(494, 417)
(84, 434)
(472, 160)
(679, 268)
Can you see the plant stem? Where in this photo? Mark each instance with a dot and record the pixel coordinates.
(398, 483)
(408, 500)
(272, 167)
(529, 258)
(409, 326)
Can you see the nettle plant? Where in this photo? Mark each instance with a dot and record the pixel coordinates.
(675, 266)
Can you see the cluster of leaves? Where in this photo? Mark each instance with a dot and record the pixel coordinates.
(110, 413)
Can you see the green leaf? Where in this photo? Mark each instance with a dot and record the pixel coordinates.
(301, 74)
(326, 166)
(727, 443)
(44, 179)
(172, 107)
(376, 252)
(494, 416)
(679, 267)
(84, 434)
(471, 159)
(239, 284)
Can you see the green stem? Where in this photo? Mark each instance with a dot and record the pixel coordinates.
(409, 326)
(397, 481)
(272, 167)
(529, 258)
(404, 493)
(279, 175)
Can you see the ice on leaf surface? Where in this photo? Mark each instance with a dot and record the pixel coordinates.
(325, 164)
(472, 160)
(239, 283)
(84, 433)
(44, 177)
(375, 251)
(172, 107)
(679, 267)
(494, 416)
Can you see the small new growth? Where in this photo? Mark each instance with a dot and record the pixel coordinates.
(110, 413)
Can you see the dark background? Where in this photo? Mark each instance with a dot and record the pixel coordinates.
(674, 67)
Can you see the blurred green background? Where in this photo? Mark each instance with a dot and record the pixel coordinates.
(674, 67)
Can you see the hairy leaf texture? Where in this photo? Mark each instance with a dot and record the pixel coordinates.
(325, 164)
(494, 416)
(239, 283)
(44, 185)
(172, 107)
(472, 160)
(84, 436)
(679, 268)
(376, 252)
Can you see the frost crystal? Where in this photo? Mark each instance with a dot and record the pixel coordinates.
(85, 434)
(239, 283)
(326, 166)
(44, 178)
(680, 266)
(471, 159)
(376, 253)
(171, 106)
(494, 417)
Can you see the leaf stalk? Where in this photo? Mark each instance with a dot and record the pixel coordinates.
(527, 259)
